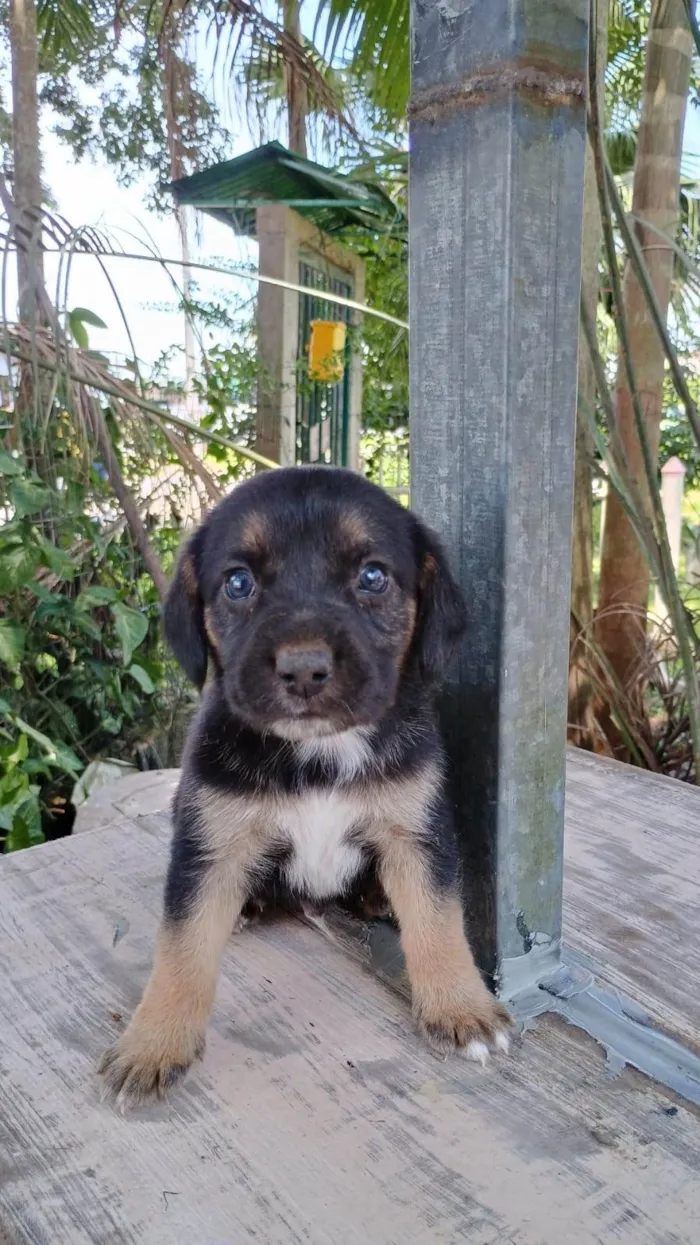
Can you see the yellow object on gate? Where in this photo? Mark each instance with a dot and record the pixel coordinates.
(327, 350)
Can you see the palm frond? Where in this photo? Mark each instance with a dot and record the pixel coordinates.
(244, 32)
(373, 36)
(64, 24)
(621, 149)
(627, 33)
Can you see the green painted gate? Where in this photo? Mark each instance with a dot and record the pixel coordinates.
(322, 411)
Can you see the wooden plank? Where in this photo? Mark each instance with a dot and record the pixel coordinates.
(316, 1115)
(632, 886)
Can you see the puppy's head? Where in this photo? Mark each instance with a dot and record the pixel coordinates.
(314, 594)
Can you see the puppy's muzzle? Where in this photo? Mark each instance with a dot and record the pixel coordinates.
(303, 669)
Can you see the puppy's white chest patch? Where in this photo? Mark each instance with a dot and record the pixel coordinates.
(316, 826)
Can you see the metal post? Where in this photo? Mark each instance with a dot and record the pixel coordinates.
(497, 159)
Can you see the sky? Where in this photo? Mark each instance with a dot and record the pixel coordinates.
(88, 193)
(691, 142)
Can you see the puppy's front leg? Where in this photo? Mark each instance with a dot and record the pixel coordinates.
(210, 862)
(451, 1004)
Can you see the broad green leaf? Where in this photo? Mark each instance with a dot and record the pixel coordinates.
(56, 754)
(29, 496)
(37, 768)
(43, 594)
(7, 812)
(88, 317)
(52, 606)
(18, 562)
(77, 319)
(25, 830)
(57, 560)
(21, 751)
(12, 755)
(95, 595)
(131, 627)
(10, 466)
(67, 716)
(143, 679)
(15, 791)
(12, 640)
(8, 809)
(87, 625)
(78, 331)
(14, 783)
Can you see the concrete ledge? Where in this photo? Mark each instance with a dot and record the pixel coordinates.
(136, 795)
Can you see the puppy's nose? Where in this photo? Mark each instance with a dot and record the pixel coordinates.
(304, 669)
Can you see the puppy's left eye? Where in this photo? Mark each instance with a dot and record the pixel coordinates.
(239, 585)
(373, 578)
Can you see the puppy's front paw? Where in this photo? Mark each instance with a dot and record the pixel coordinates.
(474, 1023)
(147, 1061)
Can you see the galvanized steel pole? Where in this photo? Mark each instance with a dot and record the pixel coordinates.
(496, 185)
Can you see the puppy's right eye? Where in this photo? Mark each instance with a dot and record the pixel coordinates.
(239, 585)
(373, 578)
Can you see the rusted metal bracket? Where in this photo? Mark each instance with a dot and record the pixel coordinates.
(540, 84)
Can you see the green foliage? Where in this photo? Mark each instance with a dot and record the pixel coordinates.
(130, 126)
(20, 813)
(385, 393)
(374, 37)
(230, 378)
(228, 388)
(627, 32)
(82, 669)
(77, 319)
(105, 78)
(12, 638)
(385, 346)
(63, 23)
(676, 434)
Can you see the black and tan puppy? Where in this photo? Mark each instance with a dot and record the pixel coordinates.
(327, 615)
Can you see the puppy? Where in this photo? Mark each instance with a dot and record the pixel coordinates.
(326, 615)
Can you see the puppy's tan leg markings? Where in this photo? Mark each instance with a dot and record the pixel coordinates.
(167, 1031)
(451, 1005)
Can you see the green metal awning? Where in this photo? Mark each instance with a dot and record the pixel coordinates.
(231, 192)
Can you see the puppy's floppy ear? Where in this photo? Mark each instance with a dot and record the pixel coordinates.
(183, 615)
(442, 614)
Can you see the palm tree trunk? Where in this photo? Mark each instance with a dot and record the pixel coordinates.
(580, 716)
(25, 216)
(624, 578)
(297, 93)
(23, 207)
(26, 153)
(176, 88)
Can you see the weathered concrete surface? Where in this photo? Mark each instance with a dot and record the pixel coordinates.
(135, 795)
